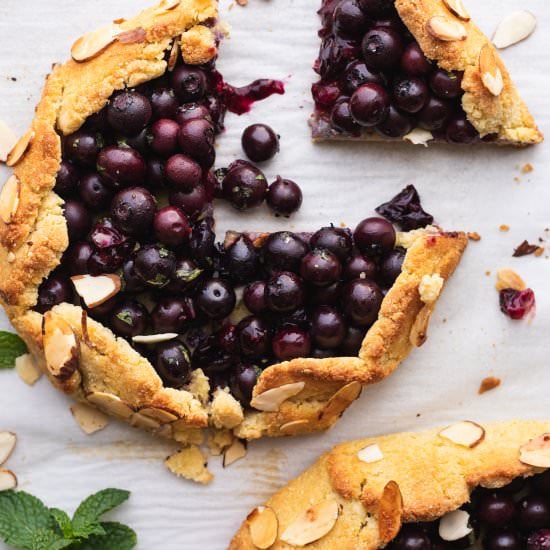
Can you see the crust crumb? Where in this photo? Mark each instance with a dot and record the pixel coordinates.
(474, 236)
(527, 168)
(504, 228)
(488, 384)
(190, 463)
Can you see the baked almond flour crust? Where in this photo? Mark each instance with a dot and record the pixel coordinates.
(85, 360)
(361, 503)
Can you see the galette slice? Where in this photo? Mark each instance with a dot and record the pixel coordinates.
(464, 486)
(414, 70)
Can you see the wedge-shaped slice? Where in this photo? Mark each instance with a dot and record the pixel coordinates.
(419, 491)
(431, 69)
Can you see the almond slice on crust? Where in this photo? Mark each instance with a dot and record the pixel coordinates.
(536, 452)
(111, 404)
(61, 347)
(8, 140)
(271, 400)
(467, 434)
(390, 512)
(514, 28)
(446, 29)
(20, 148)
(132, 36)
(9, 199)
(456, 7)
(234, 452)
(8, 480)
(93, 43)
(90, 419)
(161, 415)
(419, 136)
(263, 526)
(144, 422)
(167, 5)
(508, 278)
(154, 338)
(455, 525)
(7, 445)
(290, 427)
(341, 400)
(27, 369)
(370, 454)
(491, 75)
(96, 289)
(313, 524)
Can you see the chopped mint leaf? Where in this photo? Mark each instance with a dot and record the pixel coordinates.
(11, 347)
(90, 510)
(125, 317)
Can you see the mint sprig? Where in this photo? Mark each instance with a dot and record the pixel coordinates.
(11, 347)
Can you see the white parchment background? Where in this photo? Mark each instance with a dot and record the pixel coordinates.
(465, 188)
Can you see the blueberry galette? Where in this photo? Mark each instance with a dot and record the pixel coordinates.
(465, 486)
(415, 70)
(111, 273)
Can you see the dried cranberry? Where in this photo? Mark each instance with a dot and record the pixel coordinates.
(405, 210)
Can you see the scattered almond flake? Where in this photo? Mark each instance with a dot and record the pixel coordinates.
(144, 422)
(9, 199)
(96, 289)
(313, 524)
(390, 512)
(8, 139)
(154, 338)
(272, 399)
(504, 228)
(525, 249)
(508, 278)
(8, 480)
(430, 287)
(418, 136)
(474, 236)
(455, 525)
(456, 7)
(527, 168)
(133, 36)
(89, 418)
(488, 384)
(93, 43)
(20, 148)
(491, 75)
(263, 526)
(514, 28)
(536, 452)
(27, 369)
(341, 400)
(163, 416)
(190, 463)
(370, 454)
(219, 440)
(234, 452)
(290, 427)
(112, 404)
(7, 445)
(61, 349)
(466, 434)
(446, 29)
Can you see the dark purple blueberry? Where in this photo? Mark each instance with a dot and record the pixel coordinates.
(541, 483)
(460, 130)
(240, 261)
(172, 363)
(163, 137)
(411, 538)
(172, 315)
(260, 142)
(172, 226)
(374, 236)
(192, 203)
(320, 267)
(164, 103)
(328, 327)
(191, 111)
(155, 176)
(325, 295)
(79, 221)
(284, 197)
(186, 275)
(414, 62)
(382, 48)
(83, 147)
(93, 192)
(53, 291)
(446, 85)
(405, 210)
(196, 139)
(357, 74)
(213, 361)
(539, 540)
(254, 297)
(435, 114)
(295, 319)
(130, 318)
(128, 113)
(283, 251)
(77, 256)
(360, 267)
(139, 142)
(376, 8)
(410, 94)
(396, 124)
(534, 512)
(353, 341)
(290, 344)
(342, 119)
(361, 301)
(254, 337)
(189, 83)
(132, 283)
(244, 186)
(496, 509)
(369, 105)
(335, 53)
(155, 265)
(201, 244)
(98, 122)
(350, 20)
(227, 339)
(335, 239)
(121, 166)
(106, 308)
(284, 292)
(67, 179)
(216, 298)
(133, 210)
(105, 235)
(183, 173)
(243, 380)
(390, 267)
(502, 539)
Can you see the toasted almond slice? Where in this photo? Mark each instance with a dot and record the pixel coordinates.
(7, 445)
(454, 525)
(536, 452)
(167, 5)
(390, 512)
(508, 278)
(8, 480)
(89, 418)
(418, 136)
(190, 463)
(8, 139)
(174, 55)
(161, 415)
(20, 148)
(263, 526)
(111, 404)
(370, 454)
(446, 29)
(93, 43)
(154, 338)
(27, 369)
(9, 199)
(144, 422)
(271, 400)
(290, 427)
(467, 434)
(313, 524)
(491, 75)
(456, 7)
(419, 330)
(61, 347)
(96, 290)
(341, 400)
(514, 28)
(234, 452)
(133, 36)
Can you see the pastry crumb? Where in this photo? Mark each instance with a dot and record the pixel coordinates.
(539, 251)
(504, 228)
(190, 463)
(527, 168)
(474, 236)
(488, 384)
(488, 273)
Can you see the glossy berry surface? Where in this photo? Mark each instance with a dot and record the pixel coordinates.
(244, 186)
(172, 315)
(328, 327)
(163, 138)
(188, 83)
(283, 251)
(260, 142)
(291, 343)
(173, 364)
(67, 179)
(130, 318)
(196, 139)
(121, 166)
(133, 210)
(128, 113)
(215, 298)
(284, 197)
(254, 337)
(53, 291)
(374, 236)
(334, 239)
(155, 265)
(284, 292)
(83, 147)
(171, 226)
(183, 173)
(361, 301)
(369, 104)
(254, 297)
(241, 260)
(93, 192)
(320, 267)
(78, 220)
(496, 509)
(382, 48)
(410, 94)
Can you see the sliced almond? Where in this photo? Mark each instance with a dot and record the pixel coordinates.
(144, 422)
(514, 28)
(263, 526)
(174, 55)
(491, 75)
(190, 463)
(61, 347)
(154, 338)
(20, 148)
(446, 29)
(89, 418)
(467, 434)
(456, 7)
(370, 454)
(271, 400)
(536, 452)
(390, 512)
(419, 330)
(234, 452)
(7, 445)
(312, 524)
(8, 139)
(161, 415)
(507, 278)
(9, 199)
(93, 43)
(418, 136)
(8, 480)
(341, 400)
(27, 369)
(133, 36)
(96, 290)
(455, 525)
(167, 5)
(290, 427)
(111, 404)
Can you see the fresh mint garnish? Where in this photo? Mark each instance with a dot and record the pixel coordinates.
(11, 347)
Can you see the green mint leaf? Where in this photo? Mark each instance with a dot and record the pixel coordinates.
(11, 347)
(21, 516)
(125, 317)
(117, 537)
(92, 508)
(46, 539)
(63, 521)
(86, 531)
